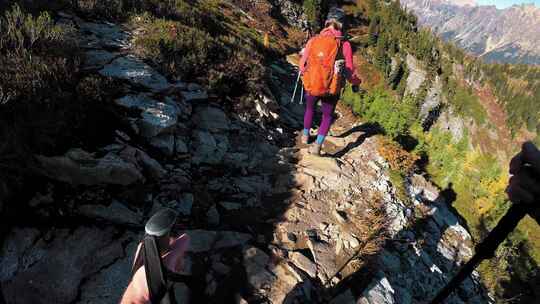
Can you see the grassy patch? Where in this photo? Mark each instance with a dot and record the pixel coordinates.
(398, 181)
(36, 56)
(467, 104)
(206, 41)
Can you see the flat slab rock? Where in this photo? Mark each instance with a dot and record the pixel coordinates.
(157, 117)
(79, 167)
(275, 281)
(108, 285)
(115, 213)
(97, 58)
(97, 35)
(206, 240)
(209, 148)
(211, 119)
(52, 271)
(135, 71)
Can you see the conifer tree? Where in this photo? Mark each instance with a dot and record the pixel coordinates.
(372, 31)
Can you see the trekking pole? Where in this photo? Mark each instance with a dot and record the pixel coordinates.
(295, 87)
(302, 94)
(486, 249)
(154, 244)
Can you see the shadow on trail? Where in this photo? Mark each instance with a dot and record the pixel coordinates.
(420, 257)
(367, 130)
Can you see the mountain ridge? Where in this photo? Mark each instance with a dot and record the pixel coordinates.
(509, 35)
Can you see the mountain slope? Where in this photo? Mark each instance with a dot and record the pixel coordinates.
(439, 104)
(201, 122)
(498, 35)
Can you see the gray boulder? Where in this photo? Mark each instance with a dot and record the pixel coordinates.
(137, 72)
(191, 96)
(98, 35)
(211, 119)
(206, 240)
(156, 117)
(451, 122)
(108, 285)
(417, 75)
(181, 146)
(293, 12)
(78, 167)
(378, 292)
(143, 161)
(15, 246)
(58, 266)
(97, 58)
(165, 143)
(208, 148)
(115, 213)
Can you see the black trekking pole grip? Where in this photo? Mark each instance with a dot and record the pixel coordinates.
(486, 249)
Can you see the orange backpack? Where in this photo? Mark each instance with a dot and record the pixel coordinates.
(319, 77)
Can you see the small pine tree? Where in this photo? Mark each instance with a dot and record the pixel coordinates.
(313, 10)
(396, 74)
(373, 31)
(382, 61)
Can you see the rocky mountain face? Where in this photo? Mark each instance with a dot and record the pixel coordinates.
(269, 223)
(510, 35)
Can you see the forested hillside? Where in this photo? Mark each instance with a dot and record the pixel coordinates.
(518, 89)
(461, 118)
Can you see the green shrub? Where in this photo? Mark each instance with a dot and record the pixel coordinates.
(240, 73)
(36, 56)
(313, 10)
(109, 9)
(378, 106)
(39, 67)
(188, 45)
(33, 77)
(466, 104)
(20, 31)
(180, 50)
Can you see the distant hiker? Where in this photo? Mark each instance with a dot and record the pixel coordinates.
(524, 185)
(326, 60)
(137, 291)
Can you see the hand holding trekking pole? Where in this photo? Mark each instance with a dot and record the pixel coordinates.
(524, 185)
(172, 256)
(524, 191)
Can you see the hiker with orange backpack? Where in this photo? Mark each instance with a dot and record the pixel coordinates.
(327, 60)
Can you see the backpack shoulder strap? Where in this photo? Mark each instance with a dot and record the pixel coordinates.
(340, 41)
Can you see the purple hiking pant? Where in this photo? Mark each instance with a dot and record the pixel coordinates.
(328, 104)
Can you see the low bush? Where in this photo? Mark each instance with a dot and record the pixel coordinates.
(178, 49)
(399, 159)
(37, 57)
(227, 58)
(378, 106)
(466, 103)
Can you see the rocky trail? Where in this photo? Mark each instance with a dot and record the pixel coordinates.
(269, 223)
